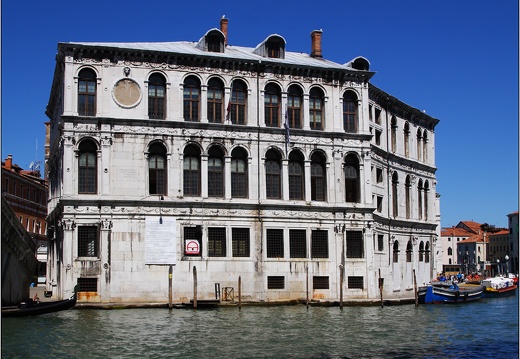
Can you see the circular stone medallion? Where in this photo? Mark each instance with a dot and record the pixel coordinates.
(127, 93)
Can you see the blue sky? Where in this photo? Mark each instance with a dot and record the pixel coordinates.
(457, 60)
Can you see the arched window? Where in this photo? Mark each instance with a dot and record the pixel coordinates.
(409, 251)
(407, 139)
(427, 253)
(191, 171)
(316, 100)
(426, 192)
(420, 198)
(395, 198)
(296, 175)
(215, 172)
(350, 112)
(156, 96)
(352, 180)
(238, 103)
(318, 177)
(157, 181)
(393, 134)
(239, 182)
(273, 176)
(450, 251)
(419, 144)
(396, 252)
(421, 251)
(191, 99)
(215, 100)
(408, 188)
(87, 92)
(87, 167)
(272, 105)
(294, 106)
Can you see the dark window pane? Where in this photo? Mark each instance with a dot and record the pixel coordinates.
(275, 243)
(354, 244)
(297, 243)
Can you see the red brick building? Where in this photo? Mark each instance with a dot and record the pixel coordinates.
(26, 193)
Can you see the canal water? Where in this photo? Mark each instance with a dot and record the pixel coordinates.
(484, 329)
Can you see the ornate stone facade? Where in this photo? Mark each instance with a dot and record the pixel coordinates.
(349, 185)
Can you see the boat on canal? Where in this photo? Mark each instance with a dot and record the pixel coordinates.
(498, 287)
(35, 307)
(448, 292)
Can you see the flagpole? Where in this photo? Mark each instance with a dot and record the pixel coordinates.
(287, 133)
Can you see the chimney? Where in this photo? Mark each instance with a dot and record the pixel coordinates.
(9, 162)
(223, 28)
(316, 43)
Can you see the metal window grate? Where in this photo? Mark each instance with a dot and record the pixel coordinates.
(216, 242)
(297, 243)
(275, 282)
(87, 284)
(320, 282)
(275, 243)
(319, 244)
(355, 282)
(354, 244)
(240, 242)
(87, 241)
(193, 233)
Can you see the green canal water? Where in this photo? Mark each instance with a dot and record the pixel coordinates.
(484, 329)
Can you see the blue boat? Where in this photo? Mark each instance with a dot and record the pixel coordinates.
(441, 293)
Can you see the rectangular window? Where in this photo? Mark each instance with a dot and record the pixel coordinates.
(380, 242)
(378, 116)
(379, 175)
(354, 244)
(319, 244)
(275, 243)
(297, 243)
(378, 138)
(216, 242)
(275, 282)
(240, 242)
(88, 241)
(87, 284)
(355, 282)
(193, 241)
(379, 204)
(320, 282)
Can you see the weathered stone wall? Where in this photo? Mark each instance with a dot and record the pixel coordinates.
(18, 258)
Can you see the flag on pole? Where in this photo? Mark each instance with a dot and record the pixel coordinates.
(287, 129)
(228, 108)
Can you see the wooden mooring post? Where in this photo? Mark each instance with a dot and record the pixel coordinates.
(415, 289)
(239, 292)
(307, 285)
(381, 282)
(194, 287)
(170, 279)
(341, 286)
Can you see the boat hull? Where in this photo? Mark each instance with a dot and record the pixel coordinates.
(31, 308)
(497, 293)
(433, 294)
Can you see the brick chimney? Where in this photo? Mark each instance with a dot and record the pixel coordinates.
(316, 43)
(223, 28)
(9, 162)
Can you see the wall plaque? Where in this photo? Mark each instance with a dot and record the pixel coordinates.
(127, 93)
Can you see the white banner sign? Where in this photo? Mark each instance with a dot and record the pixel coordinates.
(160, 243)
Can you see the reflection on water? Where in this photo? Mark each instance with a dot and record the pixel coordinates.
(488, 328)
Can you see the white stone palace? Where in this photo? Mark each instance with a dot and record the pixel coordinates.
(285, 169)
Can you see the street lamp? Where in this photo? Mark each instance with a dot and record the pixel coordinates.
(498, 266)
(507, 264)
